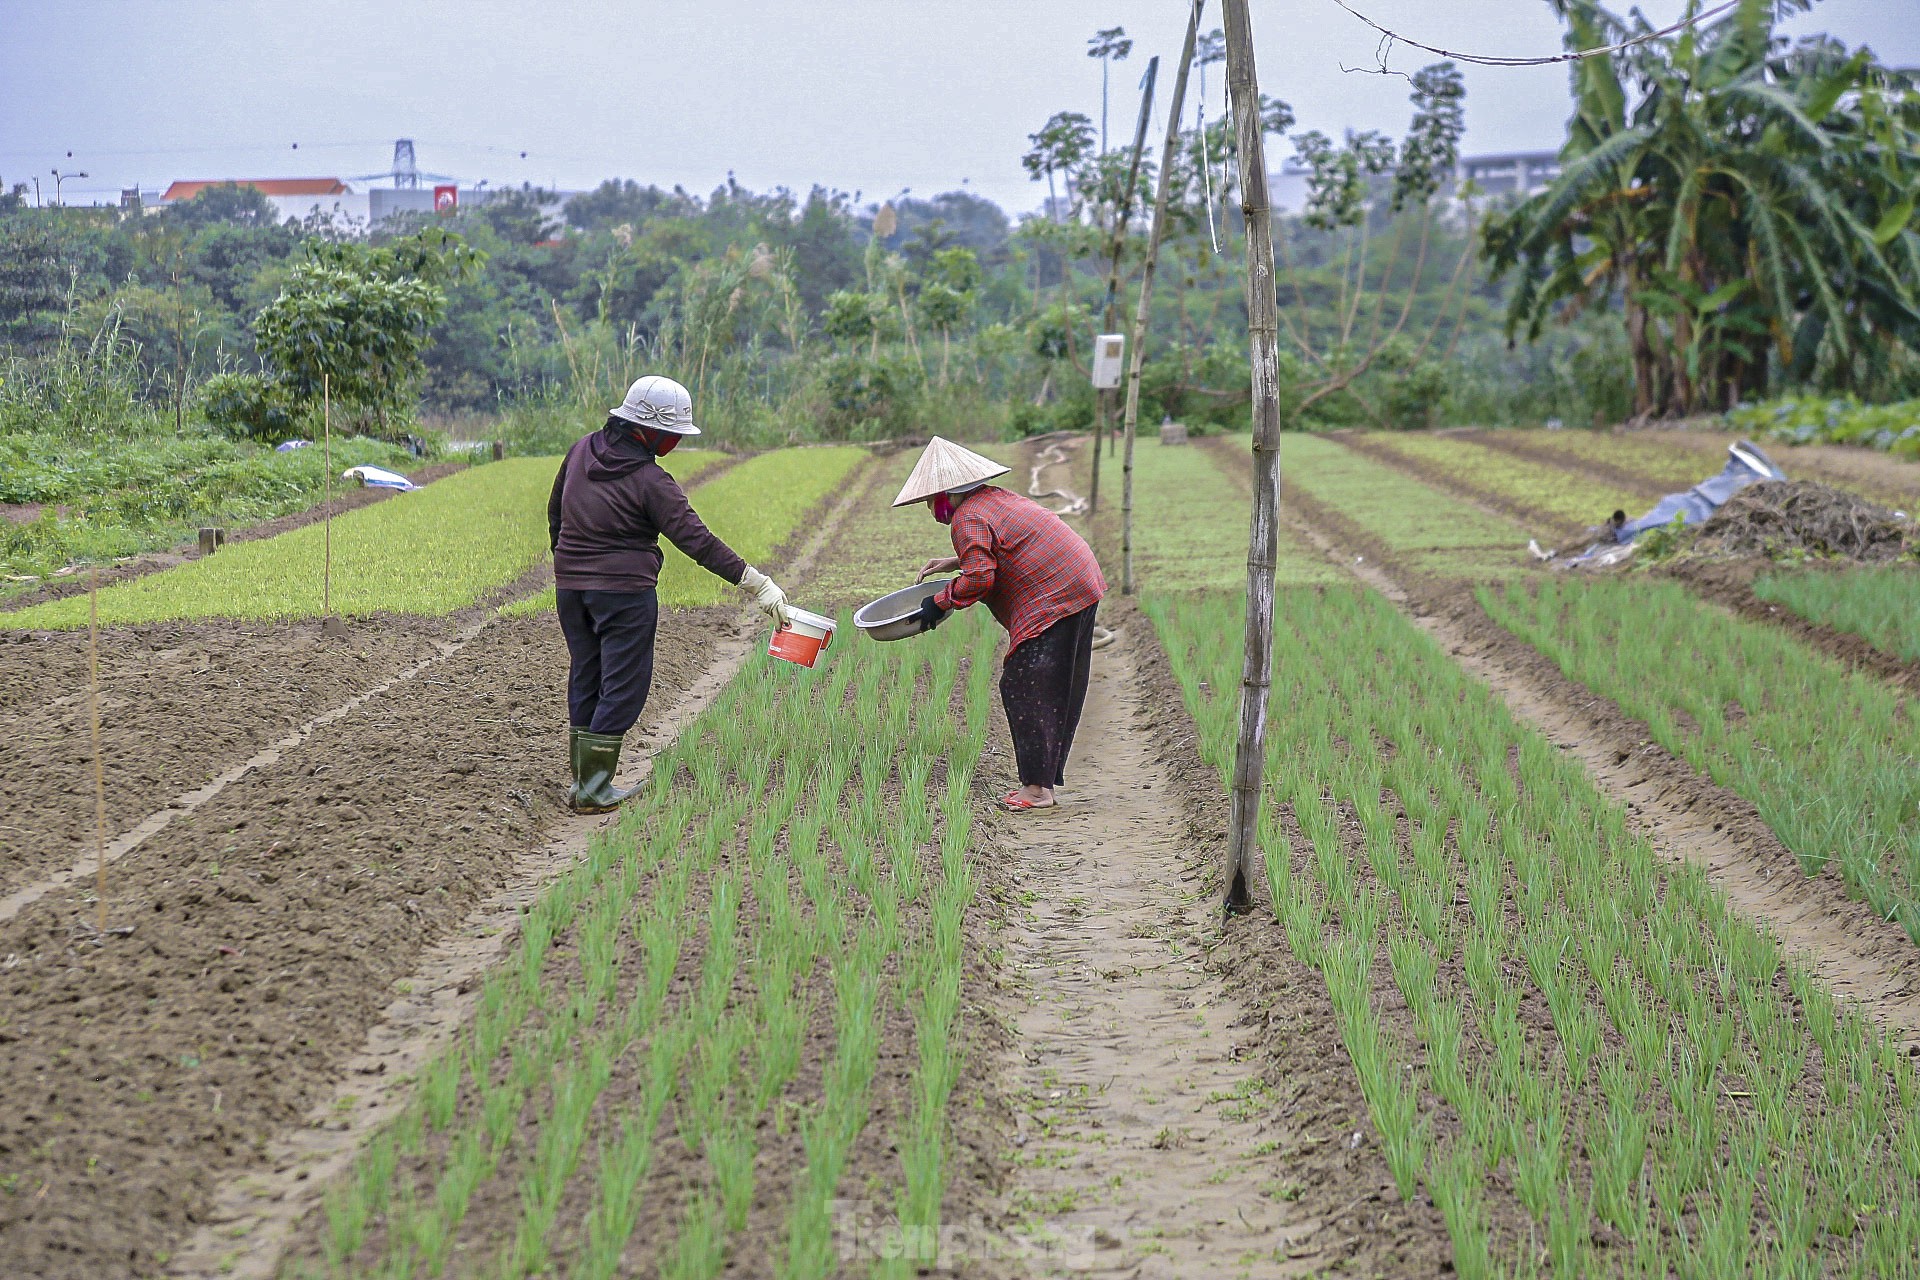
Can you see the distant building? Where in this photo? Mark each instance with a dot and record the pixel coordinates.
(1505, 173)
(292, 198)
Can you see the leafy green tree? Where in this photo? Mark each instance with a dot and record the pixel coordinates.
(225, 203)
(947, 294)
(355, 320)
(1062, 143)
(1109, 46)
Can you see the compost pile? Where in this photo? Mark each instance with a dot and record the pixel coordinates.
(1778, 519)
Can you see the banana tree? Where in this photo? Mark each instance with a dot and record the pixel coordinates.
(1748, 204)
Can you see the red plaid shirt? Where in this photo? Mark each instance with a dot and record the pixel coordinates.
(1022, 560)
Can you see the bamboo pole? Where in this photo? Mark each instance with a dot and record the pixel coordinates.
(99, 766)
(326, 463)
(1249, 757)
(1141, 309)
(1110, 314)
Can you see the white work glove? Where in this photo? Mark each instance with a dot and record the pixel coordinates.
(767, 594)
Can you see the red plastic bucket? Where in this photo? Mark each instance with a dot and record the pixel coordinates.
(802, 641)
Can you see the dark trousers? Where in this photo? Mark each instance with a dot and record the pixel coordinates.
(610, 639)
(1044, 686)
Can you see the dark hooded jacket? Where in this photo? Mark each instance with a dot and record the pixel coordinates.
(611, 503)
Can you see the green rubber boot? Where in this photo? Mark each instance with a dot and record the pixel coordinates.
(573, 761)
(596, 757)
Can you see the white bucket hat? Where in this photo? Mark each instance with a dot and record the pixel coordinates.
(660, 403)
(945, 467)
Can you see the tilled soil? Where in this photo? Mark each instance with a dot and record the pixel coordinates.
(252, 942)
(154, 561)
(179, 702)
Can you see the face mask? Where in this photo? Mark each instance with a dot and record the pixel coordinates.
(943, 508)
(661, 442)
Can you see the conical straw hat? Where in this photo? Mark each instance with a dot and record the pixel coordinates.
(944, 466)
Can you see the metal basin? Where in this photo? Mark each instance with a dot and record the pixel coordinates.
(896, 615)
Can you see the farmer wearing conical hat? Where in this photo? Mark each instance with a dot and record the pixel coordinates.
(610, 506)
(1042, 583)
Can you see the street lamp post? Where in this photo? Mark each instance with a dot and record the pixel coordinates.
(59, 177)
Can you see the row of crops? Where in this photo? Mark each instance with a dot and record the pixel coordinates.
(1575, 1050)
(690, 1033)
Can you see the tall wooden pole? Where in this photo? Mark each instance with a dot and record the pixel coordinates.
(1249, 757)
(326, 463)
(1137, 350)
(1110, 314)
(99, 766)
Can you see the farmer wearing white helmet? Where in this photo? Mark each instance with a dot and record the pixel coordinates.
(1042, 583)
(611, 504)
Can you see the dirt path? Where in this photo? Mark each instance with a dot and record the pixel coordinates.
(1144, 1138)
(1865, 960)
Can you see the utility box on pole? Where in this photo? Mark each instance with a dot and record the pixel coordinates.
(1109, 360)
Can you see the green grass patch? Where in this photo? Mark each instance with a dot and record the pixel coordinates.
(1882, 606)
(1661, 463)
(429, 552)
(1436, 532)
(121, 497)
(1680, 1099)
(1830, 757)
(1561, 495)
(1190, 524)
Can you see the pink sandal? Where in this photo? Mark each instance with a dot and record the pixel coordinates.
(1014, 802)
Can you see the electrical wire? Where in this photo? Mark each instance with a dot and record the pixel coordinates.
(1391, 38)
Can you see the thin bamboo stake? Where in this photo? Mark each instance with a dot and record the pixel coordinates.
(1256, 676)
(1110, 314)
(1141, 308)
(326, 449)
(99, 767)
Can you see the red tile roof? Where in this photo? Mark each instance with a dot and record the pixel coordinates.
(266, 186)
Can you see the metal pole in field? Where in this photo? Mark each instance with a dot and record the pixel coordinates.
(1249, 757)
(1140, 312)
(99, 767)
(1110, 314)
(326, 462)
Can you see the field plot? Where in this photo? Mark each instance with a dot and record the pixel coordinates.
(755, 507)
(1587, 1062)
(430, 552)
(1436, 533)
(1190, 525)
(1881, 606)
(740, 1007)
(1533, 491)
(1830, 758)
(879, 547)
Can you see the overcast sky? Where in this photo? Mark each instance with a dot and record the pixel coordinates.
(862, 95)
